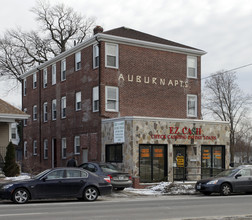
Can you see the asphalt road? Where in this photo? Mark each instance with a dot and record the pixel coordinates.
(130, 208)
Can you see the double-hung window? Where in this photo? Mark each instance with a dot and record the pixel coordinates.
(35, 148)
(35, 113)
(114, 153)
(34, 80)
(54, 109)
(63, 70)
(45, 149)
(77, 144)
(54, 74)
(63, 107)
(95, 56)
(111, 55)
(191, 105)
(78, 61)
(78, 101)
(191, 67)
(112, 99)
(63, 148)
(45, 78)
(96, 99)
(45, 112)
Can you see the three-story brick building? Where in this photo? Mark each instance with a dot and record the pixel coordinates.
(126, 97)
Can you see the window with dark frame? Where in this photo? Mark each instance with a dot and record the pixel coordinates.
(114, 153)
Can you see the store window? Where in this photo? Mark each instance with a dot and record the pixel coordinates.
(153, 163)
(114, 153)
(212, 160)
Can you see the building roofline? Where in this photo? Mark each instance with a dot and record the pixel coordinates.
(132, 118)
(13, 116)
(112, 38)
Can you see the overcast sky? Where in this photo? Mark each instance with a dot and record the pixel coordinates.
(222, 28)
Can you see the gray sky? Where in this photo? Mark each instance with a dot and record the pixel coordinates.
(222, 28)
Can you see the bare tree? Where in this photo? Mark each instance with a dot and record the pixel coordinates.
(62, 24)
(60, 27)
(225, 100)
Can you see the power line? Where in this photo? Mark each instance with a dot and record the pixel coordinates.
(240, 67)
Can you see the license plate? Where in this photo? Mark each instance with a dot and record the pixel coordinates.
(121, 177)
(199, 186)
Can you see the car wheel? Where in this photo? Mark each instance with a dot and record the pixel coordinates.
(90, 194)
(20, 196)
(206, 193)
(225, 189)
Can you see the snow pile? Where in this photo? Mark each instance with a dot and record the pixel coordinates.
(15, 178)
(166, 188)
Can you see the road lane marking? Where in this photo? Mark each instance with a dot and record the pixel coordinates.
(18, 214)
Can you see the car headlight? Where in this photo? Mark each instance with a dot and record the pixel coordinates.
(212, 182)
(7, 186)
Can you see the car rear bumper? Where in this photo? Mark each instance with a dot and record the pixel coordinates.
(121, 184)
(105, 190)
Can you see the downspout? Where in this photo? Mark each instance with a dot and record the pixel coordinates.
(40, 116)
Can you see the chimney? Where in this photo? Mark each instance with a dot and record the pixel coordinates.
(98, 29)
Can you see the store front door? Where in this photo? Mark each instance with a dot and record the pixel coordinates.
(153, 163)
(179, 162)
(212, 160)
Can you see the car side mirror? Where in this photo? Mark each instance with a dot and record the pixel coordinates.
(238, 175)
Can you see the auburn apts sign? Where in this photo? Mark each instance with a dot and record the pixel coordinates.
(183, 133)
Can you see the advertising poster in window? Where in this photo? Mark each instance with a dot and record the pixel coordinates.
(119, 132)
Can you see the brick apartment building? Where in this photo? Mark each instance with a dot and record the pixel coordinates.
(125, 97)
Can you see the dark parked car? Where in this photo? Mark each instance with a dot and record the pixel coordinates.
(57, 183)
(115, 176)
(229, 181)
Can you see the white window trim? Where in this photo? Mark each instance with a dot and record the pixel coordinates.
(62, 69)
(45, 111)
(54, 101)
(95, 49)
(54, 73)
(45, 149)
(63, 106)
(77, 60)
(95, 98)
(117, 99)
(77, 100)
(75, 144)
(63, 146)
(196, 104)
(187, 65)
(34, 81)
(117, 55)
(34, 113)
(35, 148)
(45, 78)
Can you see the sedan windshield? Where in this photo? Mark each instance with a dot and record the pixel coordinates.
(40, 174)
(226, 173)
